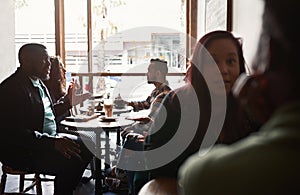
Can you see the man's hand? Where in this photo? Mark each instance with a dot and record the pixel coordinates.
(141, 138)
(126, 131)
(67, 147)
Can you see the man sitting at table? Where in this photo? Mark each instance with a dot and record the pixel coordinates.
(156, 75)
(133, 135)
(29, 138)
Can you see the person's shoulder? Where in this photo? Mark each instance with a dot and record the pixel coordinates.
(16, 80)
(219, 154)
(258, 159)
(14, 77)
(166, 87)
(183, 91)
(220, 166)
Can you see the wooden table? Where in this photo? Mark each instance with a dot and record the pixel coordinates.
(98, 126)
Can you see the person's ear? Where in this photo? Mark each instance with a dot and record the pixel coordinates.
(158, 74)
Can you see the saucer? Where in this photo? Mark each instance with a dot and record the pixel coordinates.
(108, 119)
(81, 118)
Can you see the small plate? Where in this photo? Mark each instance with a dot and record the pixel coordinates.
(119, 107)
(135, 118)
(81, 118)
(108, 119)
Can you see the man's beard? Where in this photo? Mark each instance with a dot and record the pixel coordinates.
(41, 74)
(152, 80)
(45, 77)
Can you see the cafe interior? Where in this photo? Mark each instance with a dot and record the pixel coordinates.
(106, 47)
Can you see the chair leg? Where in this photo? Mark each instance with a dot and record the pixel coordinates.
(3, 183)
(21, 182)
(29, 187)
(38, 184)
(93, 169)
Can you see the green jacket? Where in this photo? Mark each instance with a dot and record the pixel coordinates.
(267, 162)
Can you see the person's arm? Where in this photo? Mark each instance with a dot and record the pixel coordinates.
(146, 121)
(62, 106)
(140, 105)
(70, 99)
(165, 124)
(74, 98)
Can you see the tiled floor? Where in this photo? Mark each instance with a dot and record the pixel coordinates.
(47, 187)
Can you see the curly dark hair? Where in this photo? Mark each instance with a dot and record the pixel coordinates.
(57, 82)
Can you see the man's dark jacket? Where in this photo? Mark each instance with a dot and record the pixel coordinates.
(21, 120)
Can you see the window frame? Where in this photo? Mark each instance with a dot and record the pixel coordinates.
(191, 31)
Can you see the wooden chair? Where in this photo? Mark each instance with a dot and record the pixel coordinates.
(23, 176)
(160, 186)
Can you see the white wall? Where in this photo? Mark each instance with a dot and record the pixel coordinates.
(247, 24)
(7, 39)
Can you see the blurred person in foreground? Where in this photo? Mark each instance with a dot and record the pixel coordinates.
(267, 162)
(192, 116)
(29, 138)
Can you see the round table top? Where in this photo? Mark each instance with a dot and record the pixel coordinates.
(97, 123)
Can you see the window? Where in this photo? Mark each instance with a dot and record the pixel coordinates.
(108, 37)
(34, 22)
(121, 33)
(125, 34)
